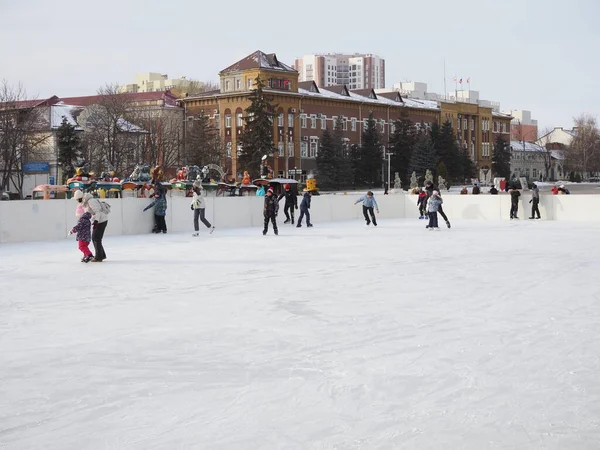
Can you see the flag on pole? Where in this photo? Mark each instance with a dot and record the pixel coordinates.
(469, 80)
(460, 81)
(454, 79)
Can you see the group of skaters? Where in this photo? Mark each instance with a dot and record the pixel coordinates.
(271, 208)
(429, 202)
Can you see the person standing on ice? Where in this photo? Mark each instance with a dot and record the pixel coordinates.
(535, 200)
(270, 211)
(304, 210)
(199, 208)
(514, 202)
(291, 203)
(84, 235)
(422, 203)
(368, 204)
(429, 188)
(99, 221)
(433, 205)
(160, 211)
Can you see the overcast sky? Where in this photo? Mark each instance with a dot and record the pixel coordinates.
(526, 54)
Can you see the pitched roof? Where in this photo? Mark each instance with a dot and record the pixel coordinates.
(310, 86)
(167, 96)
(339, 89)
(392, 96)
(23, 104)
(258, 60)
(369, 93)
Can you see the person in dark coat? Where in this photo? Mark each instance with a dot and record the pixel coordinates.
(291, 203)
(422, 203)
(270, 211)
(160, 211)
(84, 235)
(304, 209)
(514, 202)
(493, 190)
(476, 190)
(535, 201)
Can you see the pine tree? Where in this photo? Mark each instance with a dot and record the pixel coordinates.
(402, 142)
(257, 137)
(423, 156)
(69, 148)
(501, 159)
(371, 154)
(202, 143)
(448, 151)
(355, 165)
(468, 167)
(327, 162)
(343, 156)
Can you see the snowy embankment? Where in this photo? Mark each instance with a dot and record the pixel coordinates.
(340, 336)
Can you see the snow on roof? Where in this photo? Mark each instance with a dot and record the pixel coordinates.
(519, 146)
(324, 93)
(60, 110)
(258, 60)
(499, 114)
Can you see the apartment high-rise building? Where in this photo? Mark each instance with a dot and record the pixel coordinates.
(157, 82)
(357, 71)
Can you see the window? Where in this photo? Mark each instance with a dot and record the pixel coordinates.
(313, 147)
(495, 126)
(465, 124)
(280, 120)
(313, 121)
(228, 149)
(303, 120)
(238, 84)
(227, 120)
(239, 120)
(344, 123)
(217, 120)
(472, 124)
(304, 149)
(365, 124)
(458, 125)
(249, 83)
(290, 120)
(323, 121)
(535, 173)
(473, 151)
(281, 147)
(227, 85)
(239, 149)
(354, 124)
(392, 127)
(382, 124)
(290, 149)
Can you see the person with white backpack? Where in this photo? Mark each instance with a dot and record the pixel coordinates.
(99, 211)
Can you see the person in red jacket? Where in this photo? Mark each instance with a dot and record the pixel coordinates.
(422, 203)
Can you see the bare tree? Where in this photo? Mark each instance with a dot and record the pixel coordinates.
(545, 153)
(164, 138)
(24, 134)
(584, 150)
(203, 143)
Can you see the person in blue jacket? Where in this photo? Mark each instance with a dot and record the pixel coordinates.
(304, 209)
(160, 211)
(369, 203)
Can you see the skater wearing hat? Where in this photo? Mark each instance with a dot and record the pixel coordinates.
(270, 211)
(433, 205)
(99, 211)
(369, 203)
(291, 203)
(199, 208)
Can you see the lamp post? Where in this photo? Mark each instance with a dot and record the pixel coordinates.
(389, 160)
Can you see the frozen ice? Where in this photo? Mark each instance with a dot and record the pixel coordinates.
(341, 336)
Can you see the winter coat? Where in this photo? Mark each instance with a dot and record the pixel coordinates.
(493, 190)
(433, 204)
(83, 228)
(563, 191)
(514, 196)
(271, 206)
(79, 211)
(476, 190)
(93, 206)
(260, 192)
(306, 198)
(422, 200)
(535, 194)
(198, 202)
(368, 202)
(160, 206)
(291, 199)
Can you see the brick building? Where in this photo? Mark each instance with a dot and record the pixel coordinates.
(304, 110)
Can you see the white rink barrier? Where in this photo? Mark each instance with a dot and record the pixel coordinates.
(50, 220)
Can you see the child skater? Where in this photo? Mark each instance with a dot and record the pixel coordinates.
(422, 203)
(433, 204)
(305, 209)
(270, 211)
(84, 235)
(369, 202)
(160, 211)
(199, 207)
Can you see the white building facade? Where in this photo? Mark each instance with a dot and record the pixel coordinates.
(357, 71)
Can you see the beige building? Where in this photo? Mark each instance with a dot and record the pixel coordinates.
(157, 82)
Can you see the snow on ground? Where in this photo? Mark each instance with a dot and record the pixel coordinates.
(337, 337)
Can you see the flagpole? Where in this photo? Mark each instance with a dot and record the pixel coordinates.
(445, 91)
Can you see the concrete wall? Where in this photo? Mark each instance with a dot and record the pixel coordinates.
(48, 220)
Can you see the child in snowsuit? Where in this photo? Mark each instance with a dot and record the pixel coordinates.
(199, 207)
(160, 211)
(291, 203)
(84, 235)
(369, 203)
(304, 210)
(433, 205)
(270, 211)
(514, 202)
(422, 203)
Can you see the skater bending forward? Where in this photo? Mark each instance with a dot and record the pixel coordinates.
(160, 211)
(368, 204)
(270, 211)
(433, 206)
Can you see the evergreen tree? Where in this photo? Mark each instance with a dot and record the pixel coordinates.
(203, 143)
(355, 165)
(343, 156)
(501, 158)
(327, 159)
(257, 137)
(371, 154)
(69, 149)
(447, 150)
(423, 156)
(468, 167)
(402, 142)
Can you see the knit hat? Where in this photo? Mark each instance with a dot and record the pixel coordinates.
(287, 187)
(78, 195)
(270, 190)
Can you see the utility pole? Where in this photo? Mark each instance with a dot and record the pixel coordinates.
(389, 160)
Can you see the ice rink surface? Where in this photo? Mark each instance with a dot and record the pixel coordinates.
(484, 336)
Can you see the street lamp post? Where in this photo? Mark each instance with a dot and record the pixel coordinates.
(389, 160)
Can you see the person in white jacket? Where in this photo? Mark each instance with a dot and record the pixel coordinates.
(199, 207)
(99, 224)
